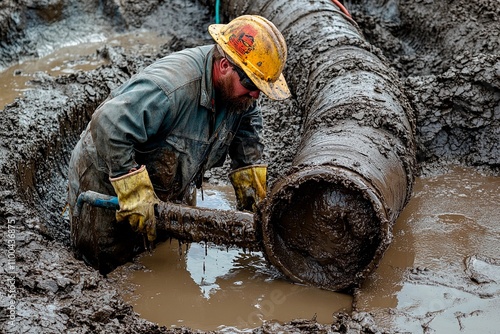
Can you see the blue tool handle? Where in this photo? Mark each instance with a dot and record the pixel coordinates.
(95, 199)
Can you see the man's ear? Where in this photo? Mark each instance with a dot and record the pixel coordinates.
(224, 66)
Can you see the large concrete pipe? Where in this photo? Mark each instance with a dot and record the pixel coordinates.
(329, 220)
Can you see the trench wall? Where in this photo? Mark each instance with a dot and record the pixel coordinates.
(450, 67)
(35, 28)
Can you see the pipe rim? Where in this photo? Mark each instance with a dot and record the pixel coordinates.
(283, 190)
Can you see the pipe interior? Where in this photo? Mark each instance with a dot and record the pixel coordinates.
(324, 232)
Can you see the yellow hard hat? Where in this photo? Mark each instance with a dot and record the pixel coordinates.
(255, 45)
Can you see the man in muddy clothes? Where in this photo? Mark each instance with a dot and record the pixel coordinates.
(154, 137)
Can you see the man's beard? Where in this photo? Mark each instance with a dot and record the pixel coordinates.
(224, 91)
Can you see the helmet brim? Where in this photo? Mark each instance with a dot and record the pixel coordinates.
(277, 90)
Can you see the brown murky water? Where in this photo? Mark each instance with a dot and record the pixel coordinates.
(64, 61)
(15, 79)
(210, 287)
(450, 218)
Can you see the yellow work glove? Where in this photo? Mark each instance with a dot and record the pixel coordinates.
(137, 199)
(249, 185)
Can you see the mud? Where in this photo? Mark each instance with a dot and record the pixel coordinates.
(445, 54)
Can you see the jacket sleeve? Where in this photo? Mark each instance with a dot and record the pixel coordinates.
(247, 147)
(134, 114)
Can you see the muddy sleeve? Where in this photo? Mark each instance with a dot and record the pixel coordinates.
(247, 146)
(133, 116)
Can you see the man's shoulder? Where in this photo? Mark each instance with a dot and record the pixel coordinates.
(179, 68)
(196, 55)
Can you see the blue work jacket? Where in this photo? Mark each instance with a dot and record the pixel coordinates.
(165, 117)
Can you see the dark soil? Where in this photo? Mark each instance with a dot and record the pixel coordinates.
(445, 53)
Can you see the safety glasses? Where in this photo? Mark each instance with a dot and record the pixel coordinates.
(244, 79)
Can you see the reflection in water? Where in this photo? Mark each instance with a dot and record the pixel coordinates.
(218, 261)
(449, 218)
(211, 287)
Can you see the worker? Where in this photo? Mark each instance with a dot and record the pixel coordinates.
(155, 136)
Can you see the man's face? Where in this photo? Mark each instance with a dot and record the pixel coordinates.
(231, 93)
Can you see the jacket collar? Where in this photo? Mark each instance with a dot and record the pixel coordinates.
(207, 87)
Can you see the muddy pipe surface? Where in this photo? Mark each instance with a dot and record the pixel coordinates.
(328, 220)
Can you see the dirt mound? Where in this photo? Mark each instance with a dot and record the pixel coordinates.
(447, 55)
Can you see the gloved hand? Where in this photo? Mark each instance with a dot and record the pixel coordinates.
(137, 198)
(249, 185)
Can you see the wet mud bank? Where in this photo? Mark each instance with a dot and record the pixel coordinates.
(450, 75)
(447, 55)
(35, 28)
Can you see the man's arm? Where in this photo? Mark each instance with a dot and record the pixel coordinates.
(248, 176)
(131, 117)
(247, 147)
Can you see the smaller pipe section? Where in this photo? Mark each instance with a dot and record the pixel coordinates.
(221, 227)
(95, 199)
(190, 224)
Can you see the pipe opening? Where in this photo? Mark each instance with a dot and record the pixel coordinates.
(324, 231)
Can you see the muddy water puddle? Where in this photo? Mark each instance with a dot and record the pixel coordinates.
(210, 287)
(448, 233)
(421, 281)
(70, 59)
